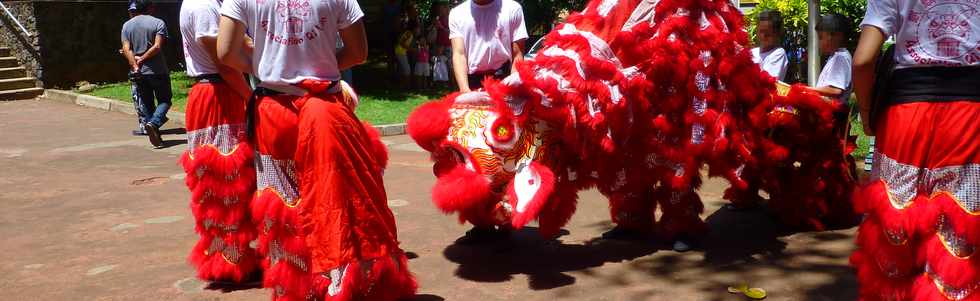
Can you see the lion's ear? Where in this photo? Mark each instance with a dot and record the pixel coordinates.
(529, 192)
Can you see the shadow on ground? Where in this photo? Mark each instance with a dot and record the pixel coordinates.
(544, 261)
(749, 242)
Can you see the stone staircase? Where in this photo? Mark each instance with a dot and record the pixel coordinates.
(14, 82)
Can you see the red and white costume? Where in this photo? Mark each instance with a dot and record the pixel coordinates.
(922, 207)
(324, 225)
(218, 161)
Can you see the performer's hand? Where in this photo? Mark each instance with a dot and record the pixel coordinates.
(464, 89)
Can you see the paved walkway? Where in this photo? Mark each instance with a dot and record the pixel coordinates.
(88, 212)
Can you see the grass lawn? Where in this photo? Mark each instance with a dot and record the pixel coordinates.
(380, 103)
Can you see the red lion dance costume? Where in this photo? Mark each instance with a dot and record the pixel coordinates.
(340, 211)
(635, 98)
(221, 178)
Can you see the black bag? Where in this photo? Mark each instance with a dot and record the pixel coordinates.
(884, 70)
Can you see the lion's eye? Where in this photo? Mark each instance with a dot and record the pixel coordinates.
(502, 133)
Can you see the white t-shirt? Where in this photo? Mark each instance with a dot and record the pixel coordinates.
(487, 32)
(294, 39)
(773, 61)
(199, 19)
(936, 32)
(837, 73)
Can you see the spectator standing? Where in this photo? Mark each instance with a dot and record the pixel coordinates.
(487, 39)
(921, 228)
(402, 46)
(769, 55)
(142, 43)
(422, 67)
(440, 67)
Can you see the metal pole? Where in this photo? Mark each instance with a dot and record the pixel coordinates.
(813, 45)
(15, 19)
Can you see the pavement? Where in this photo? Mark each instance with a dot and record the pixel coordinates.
(88, 212)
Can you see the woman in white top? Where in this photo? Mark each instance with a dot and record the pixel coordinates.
(922, 205)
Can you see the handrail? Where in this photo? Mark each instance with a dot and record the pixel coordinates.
(15, 19)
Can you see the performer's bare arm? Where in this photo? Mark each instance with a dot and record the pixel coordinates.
(232, 48)
(153, 51)
(828, 91)
(355, 46)
(517, 50)
(232, 77)
(865, 58)
(130, 57)
(460, 65)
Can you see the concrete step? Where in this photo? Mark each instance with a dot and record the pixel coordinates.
(17, 94)
(5, 51)
(8, 62)
(13, 72)
(17, 83)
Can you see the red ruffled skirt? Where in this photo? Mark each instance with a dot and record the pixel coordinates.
(221, 178)
(922, 207)
(324, 225)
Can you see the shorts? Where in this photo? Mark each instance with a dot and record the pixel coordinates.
(422, 69)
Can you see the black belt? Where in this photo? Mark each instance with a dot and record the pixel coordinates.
(252, 108)
(934, 84)
(209, 78)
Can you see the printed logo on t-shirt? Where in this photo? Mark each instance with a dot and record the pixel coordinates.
(945, 33)
(295, 28)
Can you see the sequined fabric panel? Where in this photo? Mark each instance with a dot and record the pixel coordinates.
(956, 245)
(950, 292)
(279, 175)
(225, 137)
(905, 181)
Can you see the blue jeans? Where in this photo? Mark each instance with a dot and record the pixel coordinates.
(152, 98)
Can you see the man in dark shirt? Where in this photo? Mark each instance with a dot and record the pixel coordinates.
(142, 42)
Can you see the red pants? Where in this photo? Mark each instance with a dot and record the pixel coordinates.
(326, 226)
(922, 207)
(221, 178)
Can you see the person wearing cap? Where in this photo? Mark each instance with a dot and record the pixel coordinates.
(921, 100)
(320, 203)
(487, 38)
(142, 44)
(218, 160)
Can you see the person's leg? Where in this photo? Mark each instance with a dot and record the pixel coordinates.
(145, 99)
(163, 93)
(344, 212)
(405, 69)
(138, 107)
(221, 178)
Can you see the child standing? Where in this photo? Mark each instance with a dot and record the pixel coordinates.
(770, 57)
(422, 65)
(835, 78)
(440, 67)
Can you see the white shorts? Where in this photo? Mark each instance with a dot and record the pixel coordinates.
(422, 69)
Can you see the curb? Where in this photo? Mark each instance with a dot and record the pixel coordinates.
(100, 103)
(113, 105)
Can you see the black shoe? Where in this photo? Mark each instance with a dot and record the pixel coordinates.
(154, 133)
(139, 132)
(481, 235)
